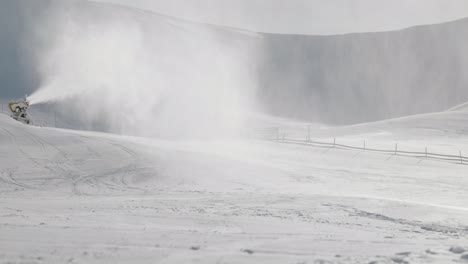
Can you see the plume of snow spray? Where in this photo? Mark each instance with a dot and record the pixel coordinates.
(147, 75)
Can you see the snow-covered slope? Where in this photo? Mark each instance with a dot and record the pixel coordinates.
(307, 17)
(332, 79)
(355, 78)
(461, 107)
(443, 133)
(86, 197)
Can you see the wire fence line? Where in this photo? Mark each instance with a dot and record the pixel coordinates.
(274, 134)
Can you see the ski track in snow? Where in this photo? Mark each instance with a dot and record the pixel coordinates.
(83, 197)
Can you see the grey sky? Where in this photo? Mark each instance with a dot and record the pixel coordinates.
(17, 73)
(12, 82)
(323, 17)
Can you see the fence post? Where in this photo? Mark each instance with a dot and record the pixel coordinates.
(396, 148)
(334, 142)
(461, 158)
(364, 145)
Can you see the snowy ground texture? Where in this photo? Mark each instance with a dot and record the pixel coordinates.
(82, 197)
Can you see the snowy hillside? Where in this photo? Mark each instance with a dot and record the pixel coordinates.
(87, 197)
(216, 171)
(355, 78)
(344, 79)
(461, 107)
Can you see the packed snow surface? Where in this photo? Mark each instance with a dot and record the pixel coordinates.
(86, 197)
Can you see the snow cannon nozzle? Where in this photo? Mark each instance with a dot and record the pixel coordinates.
(26, 101)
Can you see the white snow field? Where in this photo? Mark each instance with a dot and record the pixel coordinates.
(85, 197)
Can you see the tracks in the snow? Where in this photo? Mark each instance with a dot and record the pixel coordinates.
(37, 154)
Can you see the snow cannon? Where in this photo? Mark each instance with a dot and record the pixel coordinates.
(19, 111)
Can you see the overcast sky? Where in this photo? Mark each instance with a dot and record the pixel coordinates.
(321, 17)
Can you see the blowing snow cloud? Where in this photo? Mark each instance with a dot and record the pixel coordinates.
(146, 75)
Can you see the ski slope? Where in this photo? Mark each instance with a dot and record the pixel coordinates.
(85, 197)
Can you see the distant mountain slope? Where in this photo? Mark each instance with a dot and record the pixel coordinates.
(344, 79)
(365, 77)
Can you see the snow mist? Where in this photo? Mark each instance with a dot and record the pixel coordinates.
(137, 73)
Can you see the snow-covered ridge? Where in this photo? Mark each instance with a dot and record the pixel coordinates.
(360, 78)
(461, 107)
(307, 17)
